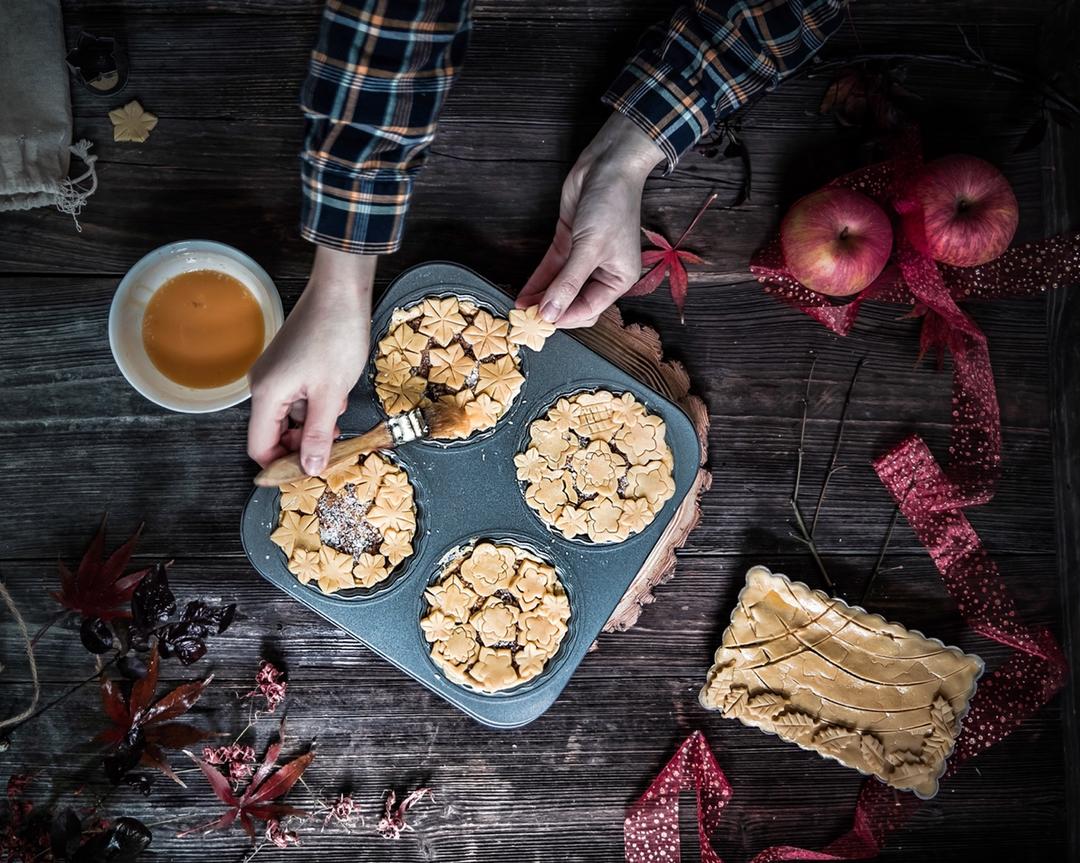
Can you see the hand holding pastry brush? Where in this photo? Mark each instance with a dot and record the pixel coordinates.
(427, 421)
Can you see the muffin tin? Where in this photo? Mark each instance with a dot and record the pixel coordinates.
(468, 491)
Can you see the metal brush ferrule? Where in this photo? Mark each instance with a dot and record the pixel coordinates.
(407, 427)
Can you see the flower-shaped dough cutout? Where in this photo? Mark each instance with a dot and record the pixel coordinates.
(392, 517)
(461, 603)
(596, 469)
(395, 497)
(500, 379)
(555, 607)
(437, 625)
(531, 466)
(494, 669)
(548, 495)
(636, 515)
(530, 661)
(571, 522)
(487, 335)
(584, 460)
(529, 329)
(485, 570)
(296, 530)
(482, 412)
(370, 569)
(335, 570)
(626, 409)
(605, 516)
(303, 494)
(450, 366)
(396, 545)
(642, 439)
(651, 481)
(132, 123)
(442, 319)
(562, 416)
(401, 397)
(540, 630)
(304, 564)
(453, 597)
(533, 581)
(495, 622)
(402, 341)
(461, 646)
(393, 368)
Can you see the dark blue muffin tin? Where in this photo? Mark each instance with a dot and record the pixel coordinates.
(468, 491)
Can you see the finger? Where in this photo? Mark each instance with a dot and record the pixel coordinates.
(265, 427)
(298, 411)
(566, 285)
(318, 434)
(538, 282)
(589, 304)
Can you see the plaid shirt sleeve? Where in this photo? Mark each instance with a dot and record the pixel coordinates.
(713, 58)
(377, 79)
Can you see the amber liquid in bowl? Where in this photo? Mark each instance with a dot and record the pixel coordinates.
(203, 329)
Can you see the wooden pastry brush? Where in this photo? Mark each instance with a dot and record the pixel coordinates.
(429, 421)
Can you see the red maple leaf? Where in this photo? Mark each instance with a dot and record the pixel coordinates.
(98, 587)
(143, 727)
(257, 801)
(667, 261)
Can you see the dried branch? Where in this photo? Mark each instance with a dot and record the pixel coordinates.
(805, 536)
(885, 545)
(1050, 94)
(833, 468)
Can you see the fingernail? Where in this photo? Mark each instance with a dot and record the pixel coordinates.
(313, 464)
(550, 311)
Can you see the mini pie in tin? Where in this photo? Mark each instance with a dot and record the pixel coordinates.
(449, 349)
(597, 465)
(495, 617)
(350, 528)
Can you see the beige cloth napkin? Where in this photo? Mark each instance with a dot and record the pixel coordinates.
(35, 112)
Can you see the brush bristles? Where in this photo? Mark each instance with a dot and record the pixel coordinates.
(446, 421)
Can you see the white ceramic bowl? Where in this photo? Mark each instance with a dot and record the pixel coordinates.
(129, 304)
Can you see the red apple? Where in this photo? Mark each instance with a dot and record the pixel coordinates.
(969, 210)
(836, 241)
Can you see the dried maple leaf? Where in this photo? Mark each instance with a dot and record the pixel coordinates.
(667, 261)
(98, 588)
(257, 801)
(142, 730)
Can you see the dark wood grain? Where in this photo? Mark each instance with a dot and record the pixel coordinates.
(1062, 203)
(77, 441)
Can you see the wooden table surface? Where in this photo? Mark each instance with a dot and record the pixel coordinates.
(222, 164)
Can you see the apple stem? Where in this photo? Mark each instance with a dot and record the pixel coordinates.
(697, 218)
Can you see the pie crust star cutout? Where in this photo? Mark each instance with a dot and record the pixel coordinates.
(132, 123)
(529, 329)
(501, 380)
(495, 616)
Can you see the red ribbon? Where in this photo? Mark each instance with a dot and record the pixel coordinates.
(931, 500)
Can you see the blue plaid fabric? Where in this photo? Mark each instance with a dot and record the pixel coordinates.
(376, 82)
(381, 70)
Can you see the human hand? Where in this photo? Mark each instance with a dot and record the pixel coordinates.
(313, 362)
(596, 255)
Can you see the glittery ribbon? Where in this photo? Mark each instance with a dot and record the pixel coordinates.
(932, 502)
